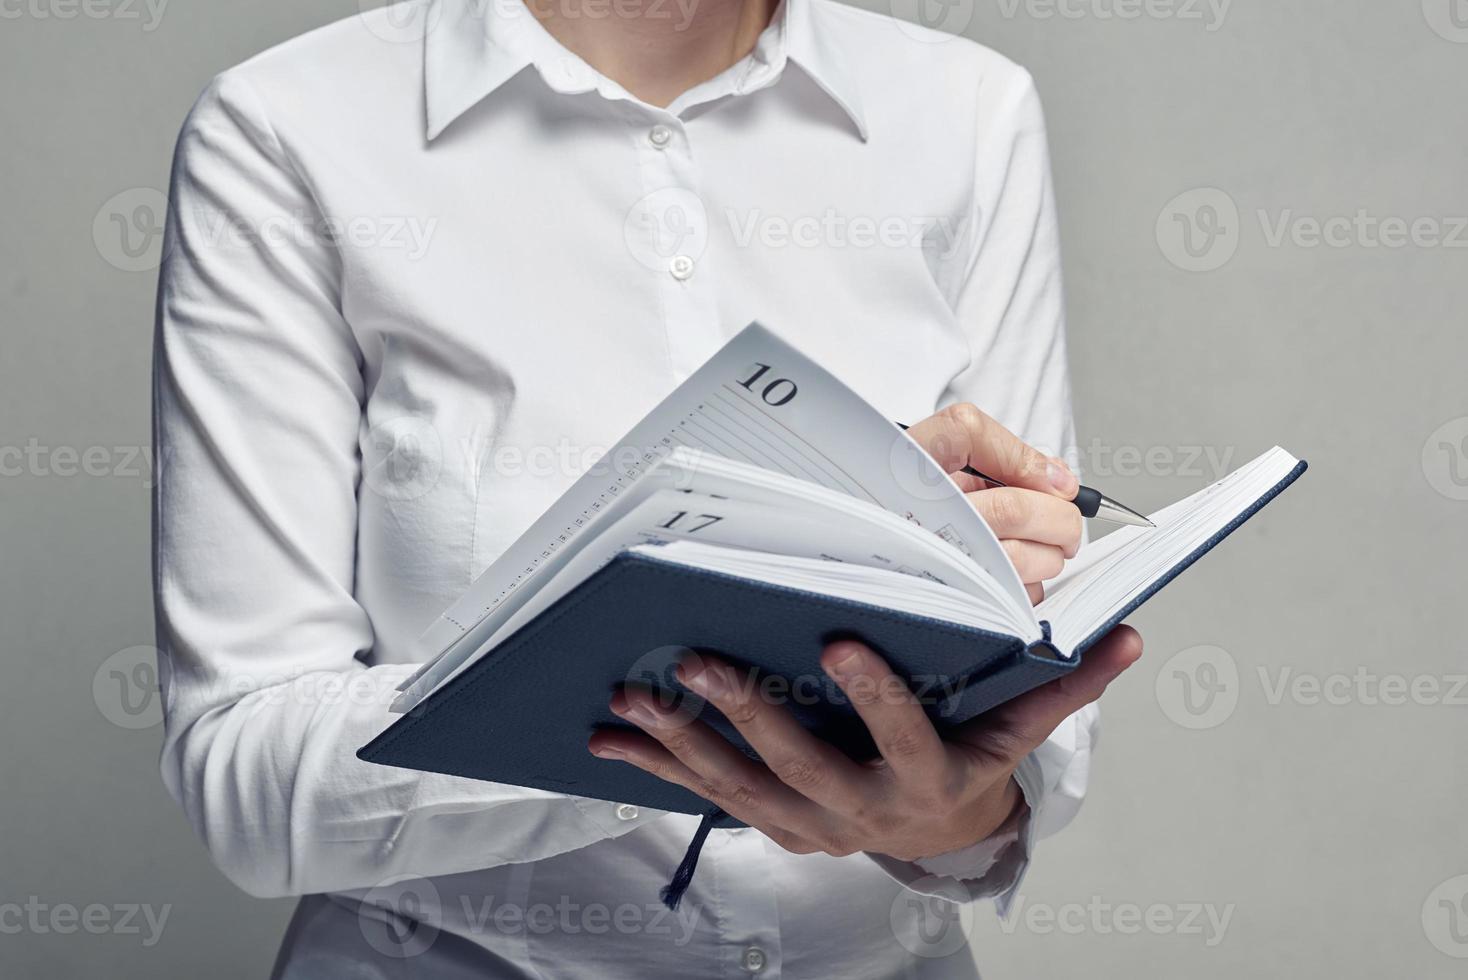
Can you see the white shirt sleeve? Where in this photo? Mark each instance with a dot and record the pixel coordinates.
(258, 394)
(1009, 299)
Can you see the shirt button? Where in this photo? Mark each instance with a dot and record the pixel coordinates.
(753, 959)
(626, 811)
(660, 136)
(681, 266)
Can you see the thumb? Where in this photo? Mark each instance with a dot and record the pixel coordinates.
(961, 435)
(1018, 727)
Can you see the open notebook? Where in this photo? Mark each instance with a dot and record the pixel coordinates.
(760, 511)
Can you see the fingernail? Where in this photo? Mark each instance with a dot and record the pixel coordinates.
(708, 682)
(846, 664)
(607, 752)
(1062, 479)
(637, 712)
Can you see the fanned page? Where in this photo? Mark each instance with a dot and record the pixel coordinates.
(1110, 573)
(758, 401)
(878, 587)
(695, 496)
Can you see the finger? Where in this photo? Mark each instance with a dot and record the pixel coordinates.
(1035, 562)
(726, 775)
(1012, 513)
(810, 766)
(651, 757)
(1036, 593)
(969, 483)
(904, 736)
(1018, 727)
(961, 435)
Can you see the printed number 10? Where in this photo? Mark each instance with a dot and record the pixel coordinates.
(778, 392)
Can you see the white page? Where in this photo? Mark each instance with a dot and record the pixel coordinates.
(757, 509)
(1109, 573)
(760, 401)
(859, 583)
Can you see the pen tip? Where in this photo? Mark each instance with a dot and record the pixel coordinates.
(1116, 513)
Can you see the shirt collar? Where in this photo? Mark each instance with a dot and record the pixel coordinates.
(472, 47)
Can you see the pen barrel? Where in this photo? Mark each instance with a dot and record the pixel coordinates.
(1088, 501)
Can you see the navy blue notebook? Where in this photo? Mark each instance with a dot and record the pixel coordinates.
(522, 713)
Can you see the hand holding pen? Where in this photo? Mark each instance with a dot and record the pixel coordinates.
(1033, 506)
(1091, 503)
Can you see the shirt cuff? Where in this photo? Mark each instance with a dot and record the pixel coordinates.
(992, 868)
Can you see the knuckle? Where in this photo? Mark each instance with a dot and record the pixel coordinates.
(660, 769)
(1009, 743)
(730, 793)
(966, 414)
(678, 742)
(740, 794)
(837, 845)
(1008, 510)
(800, 774)
(879, 824)
(742, 711)
(1036, 463)
(904, 742)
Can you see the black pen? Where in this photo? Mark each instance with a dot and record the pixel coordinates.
(1091, 503)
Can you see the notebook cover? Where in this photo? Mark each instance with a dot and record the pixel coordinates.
(522, 714)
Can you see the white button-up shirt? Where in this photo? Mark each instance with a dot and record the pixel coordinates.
(423, 265)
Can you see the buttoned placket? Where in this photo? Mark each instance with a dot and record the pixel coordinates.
(668, 239)
(669, 236)
(749, 907)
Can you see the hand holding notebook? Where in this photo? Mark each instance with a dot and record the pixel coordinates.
(761, 511)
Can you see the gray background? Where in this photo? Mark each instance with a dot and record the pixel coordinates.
(1331, 832)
